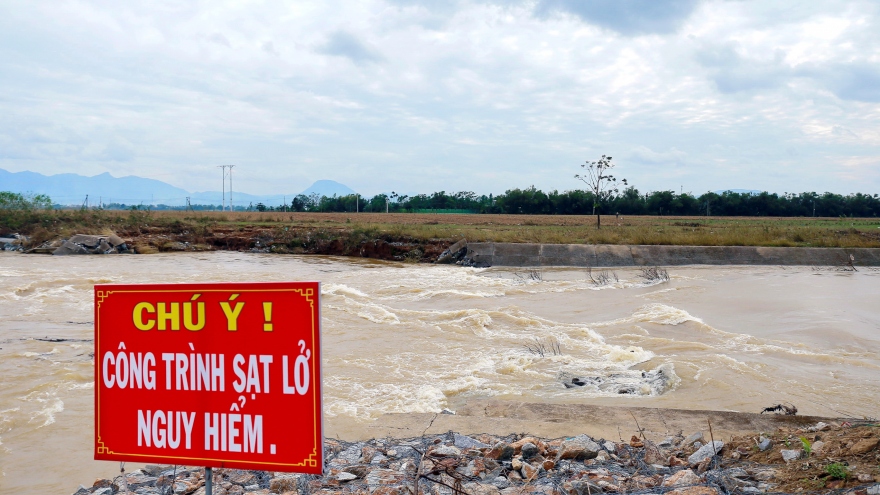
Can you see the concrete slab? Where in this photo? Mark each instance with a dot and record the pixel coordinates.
(511, 254)
(513, 249)
(613, 255)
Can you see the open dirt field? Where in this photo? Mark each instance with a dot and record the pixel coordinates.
(422, 237)
(652, 230)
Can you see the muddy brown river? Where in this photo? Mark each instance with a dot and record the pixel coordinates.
(421, 338)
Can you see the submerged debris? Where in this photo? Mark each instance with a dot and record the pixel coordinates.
(788, 410)
(455, 253)
(632, 382)
(547, 347)
(654, 274)
(604, 277)
(13, 242)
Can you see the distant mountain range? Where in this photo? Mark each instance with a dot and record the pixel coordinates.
(71, 189)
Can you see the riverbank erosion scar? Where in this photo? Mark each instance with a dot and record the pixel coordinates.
(484, 254)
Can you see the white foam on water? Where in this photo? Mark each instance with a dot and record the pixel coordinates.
(441, 281)
(663, 314)
(13, 273)
(498, 363)
(47, 414)
(626, 383)
(31, 292)
(368, 401)
(6, 422)
(654, 313)
(331, 289)
(657, 292)
(41, 354)
(457, 293)
(739, 366)
(50, 406)
(373, 312)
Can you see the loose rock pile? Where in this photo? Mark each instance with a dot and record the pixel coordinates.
(12, 242)
(454, 464)
(84, 244)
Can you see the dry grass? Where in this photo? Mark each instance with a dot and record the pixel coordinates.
(702, 231)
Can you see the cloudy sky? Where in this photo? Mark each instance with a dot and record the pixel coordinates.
(426, 95)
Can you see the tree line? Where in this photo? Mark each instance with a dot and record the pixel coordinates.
(532, 201)
(629, 201)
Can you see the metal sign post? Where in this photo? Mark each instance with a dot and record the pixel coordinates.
(218, 375)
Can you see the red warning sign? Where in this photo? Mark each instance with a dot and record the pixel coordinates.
(219, 375)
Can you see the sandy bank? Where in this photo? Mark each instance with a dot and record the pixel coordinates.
(560, 420)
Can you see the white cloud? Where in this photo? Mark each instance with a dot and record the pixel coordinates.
(464, 95)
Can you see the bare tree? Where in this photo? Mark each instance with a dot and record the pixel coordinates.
(600, 182)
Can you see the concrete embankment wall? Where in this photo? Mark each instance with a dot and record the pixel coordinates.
(510, 254)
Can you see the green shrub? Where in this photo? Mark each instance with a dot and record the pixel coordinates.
(837, 471)
(808, 447)
(18, 211)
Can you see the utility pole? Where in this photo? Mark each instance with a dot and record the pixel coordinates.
(224, 167)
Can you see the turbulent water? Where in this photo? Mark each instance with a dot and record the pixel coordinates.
(413, 338)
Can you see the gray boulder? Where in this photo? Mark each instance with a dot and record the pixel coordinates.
(584, 487)
(445, 451)
(500, 482)
(529, 450)
(580, 447)
(68, 247)
(345, 476)
(706, 452)
(90, 244)
(789, 455)
(466, 442)
(137, 480)
(90, 241)
(693, 437)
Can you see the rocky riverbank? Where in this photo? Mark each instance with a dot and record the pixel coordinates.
(366, 244)
(326, 241)
(821, 458)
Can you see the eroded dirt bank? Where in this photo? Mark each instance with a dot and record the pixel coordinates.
(372, 243)
(340, 241)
